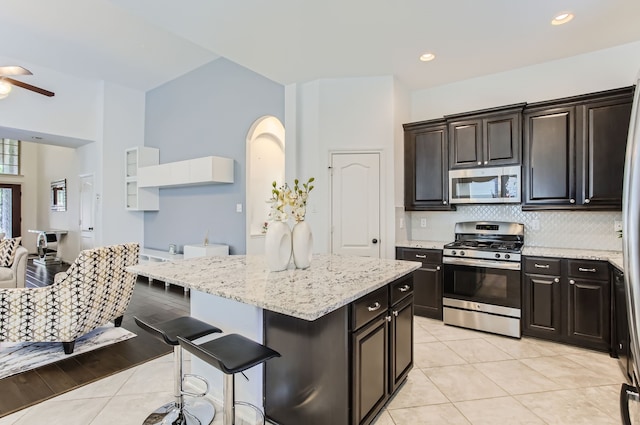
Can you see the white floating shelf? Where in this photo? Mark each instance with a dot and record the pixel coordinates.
(198, 171)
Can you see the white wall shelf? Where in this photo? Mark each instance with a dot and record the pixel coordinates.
(198, 171)
(139, 198)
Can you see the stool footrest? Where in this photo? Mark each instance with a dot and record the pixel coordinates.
(200, 378)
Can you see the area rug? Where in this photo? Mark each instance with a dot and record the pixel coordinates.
(17, 357)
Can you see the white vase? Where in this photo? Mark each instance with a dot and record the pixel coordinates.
(277, 246)
(302, 244)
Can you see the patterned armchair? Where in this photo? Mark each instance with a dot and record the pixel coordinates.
(93, 291)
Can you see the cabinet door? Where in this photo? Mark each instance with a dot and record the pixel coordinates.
(502, 139)
(465, 142)
(549, 158)
(370, 370)
(426, 170)
(542, 306)
(588, 312)
(427, 289)
(401, 342)
(603, 138)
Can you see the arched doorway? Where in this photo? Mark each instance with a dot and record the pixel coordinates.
(265, 164)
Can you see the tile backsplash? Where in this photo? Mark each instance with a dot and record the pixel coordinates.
(562, 229)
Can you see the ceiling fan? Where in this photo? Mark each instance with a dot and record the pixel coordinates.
(6, 82)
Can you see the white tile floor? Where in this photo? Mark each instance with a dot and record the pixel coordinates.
(459, 377)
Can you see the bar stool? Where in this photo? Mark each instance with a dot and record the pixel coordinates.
(178, 412)
(230, 354)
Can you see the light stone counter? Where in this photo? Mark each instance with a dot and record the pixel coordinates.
(331, 282)
(614, 257)
(422, 244)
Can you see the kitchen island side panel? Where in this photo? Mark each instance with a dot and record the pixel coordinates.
(310, 383)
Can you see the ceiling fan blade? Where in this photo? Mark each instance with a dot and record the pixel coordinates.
(14, 70)
(29, 87)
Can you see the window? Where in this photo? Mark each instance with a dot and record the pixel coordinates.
(9, 157)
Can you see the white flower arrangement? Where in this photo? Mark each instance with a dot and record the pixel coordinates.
(295, 198)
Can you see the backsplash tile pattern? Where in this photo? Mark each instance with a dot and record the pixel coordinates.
(561, 229)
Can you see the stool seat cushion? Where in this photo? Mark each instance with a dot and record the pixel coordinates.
(231, 353)
(186, 326)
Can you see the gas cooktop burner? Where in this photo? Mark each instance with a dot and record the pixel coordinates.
(489, 240)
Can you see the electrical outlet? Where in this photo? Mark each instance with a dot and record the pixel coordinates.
(535, 224)
(402, 223)
(238, 207)
(617, 225)
(423, 222)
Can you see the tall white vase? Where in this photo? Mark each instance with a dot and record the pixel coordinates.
(302, 244)
(277, 246)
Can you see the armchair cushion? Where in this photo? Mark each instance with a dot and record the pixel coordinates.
(94, 290)
(8, 248)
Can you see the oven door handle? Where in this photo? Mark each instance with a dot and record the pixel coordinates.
(475, 262)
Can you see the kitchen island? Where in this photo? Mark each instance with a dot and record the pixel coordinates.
(343, 328)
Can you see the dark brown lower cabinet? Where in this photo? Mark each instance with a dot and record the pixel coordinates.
(567, 301)
(371, 360)
(542, 306)
(382, 351)
(342, 368)
(427, 280)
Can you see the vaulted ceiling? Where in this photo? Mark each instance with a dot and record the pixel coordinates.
(145, 43)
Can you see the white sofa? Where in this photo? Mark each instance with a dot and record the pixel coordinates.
(14, 276)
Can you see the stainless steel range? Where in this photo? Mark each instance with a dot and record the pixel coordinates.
(482, 277)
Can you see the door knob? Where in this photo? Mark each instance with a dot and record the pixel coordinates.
(374, 240)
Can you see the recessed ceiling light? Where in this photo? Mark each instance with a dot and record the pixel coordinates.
(427, 57)
(562, 18)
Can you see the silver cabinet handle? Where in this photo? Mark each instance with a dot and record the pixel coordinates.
(572, 282)
(586, 201)
(486, 162)
(581, 269)
(438, 268)
(375, 306)
(395, 313)
(573, 201)
(556, 280)
(444, 202)
(388, 318)
(420, 256)
(404, 288)
(479, 162)
(541, 266)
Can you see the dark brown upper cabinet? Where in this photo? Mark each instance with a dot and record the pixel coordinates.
(426, 170)
(491, 137)
(574, 151)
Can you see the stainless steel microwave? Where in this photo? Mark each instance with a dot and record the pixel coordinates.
(490, 185)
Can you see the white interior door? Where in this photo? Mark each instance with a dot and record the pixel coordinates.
(87, 212)
(355, 204)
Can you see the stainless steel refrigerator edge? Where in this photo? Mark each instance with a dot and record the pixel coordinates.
(631, 250)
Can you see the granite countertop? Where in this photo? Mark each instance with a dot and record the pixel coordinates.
(614, 257)
(331, 282)
(422, 244)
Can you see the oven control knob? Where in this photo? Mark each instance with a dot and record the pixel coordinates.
(453, 252)
(461, 252)
(497, 255)
(507, 256)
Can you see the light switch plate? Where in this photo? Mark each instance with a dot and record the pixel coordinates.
(617, 225)
(238, 207)
(423, 222)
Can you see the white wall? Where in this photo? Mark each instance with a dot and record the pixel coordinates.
(72, 112)
(351, 114)
(590, 72)
(123, 120)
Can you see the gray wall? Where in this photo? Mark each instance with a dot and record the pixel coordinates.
(206, 112)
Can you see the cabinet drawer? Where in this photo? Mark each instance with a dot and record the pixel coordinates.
(588, 269)
(369, 307)
(542, 265)
(401, 289)
(426, 256)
